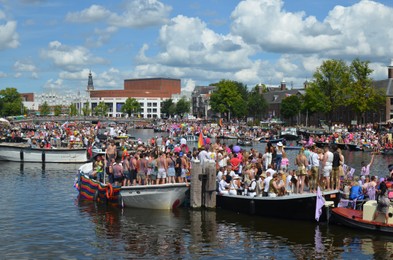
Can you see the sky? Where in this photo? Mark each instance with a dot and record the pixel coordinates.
(51, 45)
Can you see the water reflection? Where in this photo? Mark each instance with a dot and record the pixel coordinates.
(168, 234)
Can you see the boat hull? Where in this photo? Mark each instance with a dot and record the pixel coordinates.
(296, 206)
(353, 218)
(93, 190)
(164, 196)
(22, 153)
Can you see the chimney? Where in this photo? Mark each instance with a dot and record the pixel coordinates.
(390, 70)
(283, 85)
(305, 84)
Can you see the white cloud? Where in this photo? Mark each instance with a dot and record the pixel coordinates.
(24, 66)
(75, 75)
(346, 31)
(92, 14)
(188, 85)
(52, 84)
(9, 38)
(136, 14)
(3, 74)
(17, 75)
(69, 58)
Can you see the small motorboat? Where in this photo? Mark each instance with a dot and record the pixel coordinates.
(364, 219)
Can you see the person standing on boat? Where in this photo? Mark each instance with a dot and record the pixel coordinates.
(118, 174)
(142, 169)
(335, 178)
(162, 168)
(327, 163)
(302, 163)
(171, 168)
(126, 170)
(279, 152)
(314, 164)
(267, 158)
(111, 150)
(383, 202)
(133, 169)
(365, 171)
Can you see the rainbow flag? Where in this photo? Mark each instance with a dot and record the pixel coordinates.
(201, 142)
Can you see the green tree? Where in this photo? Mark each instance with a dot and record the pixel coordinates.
(73, 110)
(11, 102)
(182, 106)
(361, 95)
(168, 107)
(256, 103)
(44, 109)
(290, 107)
(131, 106)
(101, 109)
(57, 110)
(331, 79)
(227, 98)
(86, 111)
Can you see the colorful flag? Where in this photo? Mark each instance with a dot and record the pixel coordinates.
(201, 142)
(320, 202)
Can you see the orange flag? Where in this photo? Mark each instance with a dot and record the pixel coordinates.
(201, 142)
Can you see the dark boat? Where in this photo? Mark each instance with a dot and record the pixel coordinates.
(244, 142)
(289, 133)
(354, 147)
(362, 220)
(293, 147)
(274, 140)
(294, 206)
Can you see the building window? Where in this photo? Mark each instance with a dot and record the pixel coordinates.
(154, 116)
(149, 110)
(154, 110)
(391, 101)
(141, 104)
(149, 104)
(154, 104)
(148, 115)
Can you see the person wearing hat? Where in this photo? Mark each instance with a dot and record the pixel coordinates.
(279, 152)
(235, 185)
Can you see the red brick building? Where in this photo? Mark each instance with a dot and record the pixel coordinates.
(142, 88)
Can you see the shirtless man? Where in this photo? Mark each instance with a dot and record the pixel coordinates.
(302, 163)
(111, 150)
(162, 166)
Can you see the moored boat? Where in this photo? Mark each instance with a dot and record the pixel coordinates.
(294, 206)
(161, 196)
(22, 152)
(363, 219)
(289, 133)
(244, 142)
(273, 140)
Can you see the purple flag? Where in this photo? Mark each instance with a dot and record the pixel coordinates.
(320, 202)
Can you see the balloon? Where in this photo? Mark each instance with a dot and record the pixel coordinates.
(236, 149)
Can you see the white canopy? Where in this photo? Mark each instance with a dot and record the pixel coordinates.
(4, 121)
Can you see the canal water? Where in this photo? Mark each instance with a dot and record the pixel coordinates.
(41, 218)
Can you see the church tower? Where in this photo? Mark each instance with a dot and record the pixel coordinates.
(90, 85)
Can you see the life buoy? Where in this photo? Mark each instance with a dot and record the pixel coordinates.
(109, 191)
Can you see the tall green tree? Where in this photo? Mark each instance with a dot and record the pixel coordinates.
(73, 111)
(290, 107)
(256, 103)
(101, 109)
(57, 110)
(361, 95)
(131, 106)
(168, 107)
(86, 111)
(10, 102)
(331, 79)
(44, 109)
(182, 106)
(227, 98)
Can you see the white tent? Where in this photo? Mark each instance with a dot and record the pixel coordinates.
(4, 121)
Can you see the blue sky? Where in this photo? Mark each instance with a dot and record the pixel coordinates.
(51, 45)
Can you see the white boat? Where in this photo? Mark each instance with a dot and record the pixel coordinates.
(289, 133)
(162, 196)
(22, 152)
